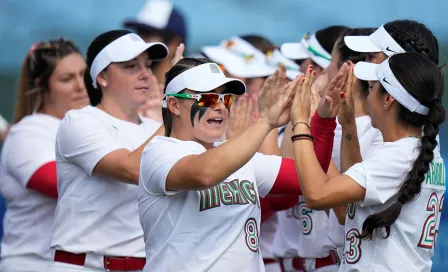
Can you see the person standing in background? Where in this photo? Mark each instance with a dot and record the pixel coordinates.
(51, 83)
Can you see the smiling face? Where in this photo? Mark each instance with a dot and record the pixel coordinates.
(192, 122)
(127, 82)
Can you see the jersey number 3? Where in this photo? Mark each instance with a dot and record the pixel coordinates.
(431, 226)
(251, 230)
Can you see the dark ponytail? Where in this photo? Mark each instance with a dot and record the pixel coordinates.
(180, 67)
(424, 81)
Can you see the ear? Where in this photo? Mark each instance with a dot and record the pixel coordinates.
(388, 100)
(101, 78)
(173, 106)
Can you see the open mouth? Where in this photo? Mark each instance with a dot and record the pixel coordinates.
(215, 121)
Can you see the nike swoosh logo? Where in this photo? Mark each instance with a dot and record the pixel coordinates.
(388, 49)
(384, 79)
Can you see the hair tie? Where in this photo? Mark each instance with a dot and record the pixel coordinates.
(33, 48)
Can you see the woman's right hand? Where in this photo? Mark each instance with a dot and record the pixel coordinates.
(346, 115)
(275, 110)
(178, 55)
(329, 104)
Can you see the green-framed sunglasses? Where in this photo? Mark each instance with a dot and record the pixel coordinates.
(208, 99)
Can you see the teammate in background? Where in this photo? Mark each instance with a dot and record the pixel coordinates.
(398, 191)
(51, 83)
(314, 49)
(4, 128)
(198, 202)
(98, 150)
(160, 21)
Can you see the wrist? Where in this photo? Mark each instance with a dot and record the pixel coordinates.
(350, 128)
(264, 122)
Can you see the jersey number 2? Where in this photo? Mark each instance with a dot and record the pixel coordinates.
(251, 230)
(431, 226)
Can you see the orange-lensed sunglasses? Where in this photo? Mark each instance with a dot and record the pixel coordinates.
(208, 99)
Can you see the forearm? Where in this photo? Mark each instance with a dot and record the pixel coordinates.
(270, 144)
(287, 148)
(350, 149)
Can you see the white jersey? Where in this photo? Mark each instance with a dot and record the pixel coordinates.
(304, 232)
(29, 214)
(94, 213)
(267, 234)
(410, 245)
(215, 229)
(369, 138)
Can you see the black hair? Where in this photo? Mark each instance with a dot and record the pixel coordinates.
(414, 37)
(259, 42)
(327, 37)
(423, 79)
(180, 67)
(98, 44)
(346, 54)
(37, 68)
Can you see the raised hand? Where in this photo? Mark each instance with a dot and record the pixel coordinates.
(178, 55)
(270, 89)
(346, 115)
(153, 106)
(320, 83)
(241, 116)
(301, 107)
(329, 105)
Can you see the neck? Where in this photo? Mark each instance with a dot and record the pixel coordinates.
(395, 130)
(119, 110)
(360, 104)
(51, 111)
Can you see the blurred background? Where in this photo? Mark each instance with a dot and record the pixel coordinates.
(22, 23)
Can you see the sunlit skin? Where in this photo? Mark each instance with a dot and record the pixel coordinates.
(67, 90)
(375, 105)
(204, 131)
(125, 87)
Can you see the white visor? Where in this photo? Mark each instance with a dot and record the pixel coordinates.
(204, 78)
(125, 48)
(378, 41)
(383, 74)
(274, 59)
(308, 47)
(239, 58)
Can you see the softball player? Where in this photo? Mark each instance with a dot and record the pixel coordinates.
(199, 202)
(51, 83)
(98, 150)
(397, 192)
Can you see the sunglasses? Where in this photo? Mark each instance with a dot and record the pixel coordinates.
(208, 99)
(311, 49)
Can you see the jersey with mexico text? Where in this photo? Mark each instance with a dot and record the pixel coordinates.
(214, 229)
(29, 215)
(97, 214)
(410, 245)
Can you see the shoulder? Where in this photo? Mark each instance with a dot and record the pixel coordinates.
(150, 124)
(86, 117)
(169, 144)
(35, 126)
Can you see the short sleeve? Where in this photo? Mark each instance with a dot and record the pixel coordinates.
(381, 174)
(30, 152)
(266, 171)
(84, 140)
(158, 158)
(369, 144)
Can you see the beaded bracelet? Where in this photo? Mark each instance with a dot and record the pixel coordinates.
(302, 136)
(294, 126)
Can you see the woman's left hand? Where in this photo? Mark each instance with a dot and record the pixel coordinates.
(346, 115)
(301, 106)
(153, 107)
(329, 105)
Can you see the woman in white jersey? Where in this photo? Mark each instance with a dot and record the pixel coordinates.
(98, 150)
(51, 83)
(398, 190)
(199, 204)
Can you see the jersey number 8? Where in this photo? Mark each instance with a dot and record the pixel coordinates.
(251, 230)
(431, 226)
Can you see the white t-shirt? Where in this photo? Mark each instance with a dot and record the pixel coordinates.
(410, 244)
(29, 215)
(369, 138)
(215, 229)
(302, 231)
(95, 213)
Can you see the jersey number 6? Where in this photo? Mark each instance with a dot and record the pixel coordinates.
(431, 226)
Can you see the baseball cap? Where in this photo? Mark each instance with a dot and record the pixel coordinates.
(383, 74)
(204, 78)
(125, 48)
(308, 47)
(378, 41)
(159, 15)
(239, 58)
(274, 58)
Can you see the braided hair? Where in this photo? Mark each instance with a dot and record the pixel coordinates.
(423, 79)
